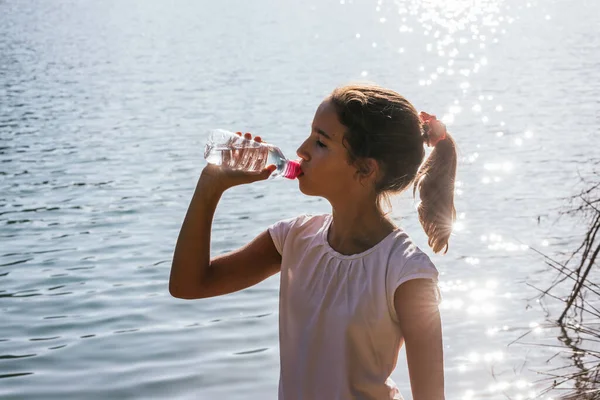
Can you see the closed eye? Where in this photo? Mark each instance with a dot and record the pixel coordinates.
(320, 144)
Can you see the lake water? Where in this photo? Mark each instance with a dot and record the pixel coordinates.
(104, 107)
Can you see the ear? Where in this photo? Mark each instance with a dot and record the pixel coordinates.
(367, 170)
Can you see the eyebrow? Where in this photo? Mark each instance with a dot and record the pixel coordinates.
(322, 132)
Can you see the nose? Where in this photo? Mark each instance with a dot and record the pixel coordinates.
(302, 152)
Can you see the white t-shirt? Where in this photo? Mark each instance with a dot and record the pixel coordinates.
(338, 331)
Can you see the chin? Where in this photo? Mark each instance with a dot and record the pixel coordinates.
(306, 189)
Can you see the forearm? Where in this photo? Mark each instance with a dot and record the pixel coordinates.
(191, 259)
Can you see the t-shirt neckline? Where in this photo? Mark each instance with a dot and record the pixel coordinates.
(332, 251)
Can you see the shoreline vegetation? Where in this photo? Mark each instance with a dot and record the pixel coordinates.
(578, 325)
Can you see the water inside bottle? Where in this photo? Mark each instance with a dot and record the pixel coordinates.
(242, 157)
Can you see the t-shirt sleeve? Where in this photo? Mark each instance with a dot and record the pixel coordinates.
(279, 232)
(417, 266)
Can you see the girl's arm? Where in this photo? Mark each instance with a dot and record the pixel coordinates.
(194, 274)
(418, 313)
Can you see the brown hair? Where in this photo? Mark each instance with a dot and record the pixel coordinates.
(386, 127)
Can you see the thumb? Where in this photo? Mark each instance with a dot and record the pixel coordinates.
(265, 173)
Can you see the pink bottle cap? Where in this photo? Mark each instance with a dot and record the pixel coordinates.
(292, 170)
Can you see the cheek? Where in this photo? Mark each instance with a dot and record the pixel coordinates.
(329, 168)
(324, 181)
(342, 170)
(335, 175)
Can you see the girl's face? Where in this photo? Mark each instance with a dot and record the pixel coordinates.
(324, 158)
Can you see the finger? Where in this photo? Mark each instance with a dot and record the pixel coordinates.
(264, 174)
(246, 153)
(262, 157)
(258, 160)
(225, 157)
(241, 151)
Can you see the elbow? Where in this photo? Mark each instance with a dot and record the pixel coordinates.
(174, 287)
(183, 286)
(185, 291)
(174, 290)
(179, 292)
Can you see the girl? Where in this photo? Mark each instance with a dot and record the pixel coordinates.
(354, 288)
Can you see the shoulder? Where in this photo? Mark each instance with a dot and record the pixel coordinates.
(407, 256)
(302, 221)
(408, 262)
(308, 221)
(412, 269)
(292, 228)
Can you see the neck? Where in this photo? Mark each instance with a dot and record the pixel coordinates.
(357, 226)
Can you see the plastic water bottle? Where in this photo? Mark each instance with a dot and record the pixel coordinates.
(236, 152)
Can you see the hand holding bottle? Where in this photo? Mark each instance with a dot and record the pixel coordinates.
(235, 159)
(236, 164)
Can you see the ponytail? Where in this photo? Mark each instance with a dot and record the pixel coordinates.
(435, 183)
